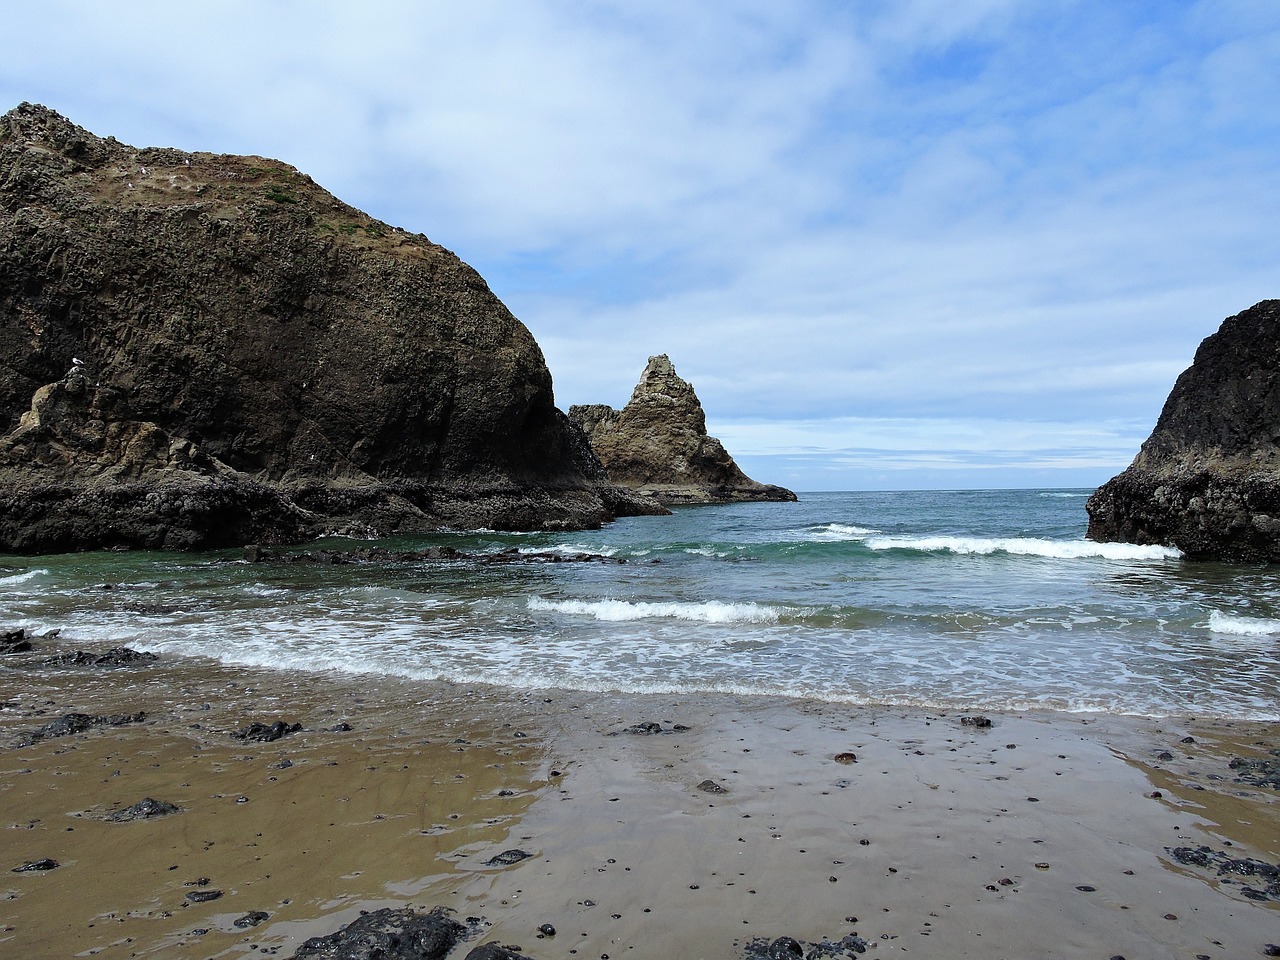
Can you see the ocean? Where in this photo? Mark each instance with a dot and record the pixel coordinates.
(960, 600)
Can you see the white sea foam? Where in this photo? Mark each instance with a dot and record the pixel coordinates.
(706, 552)
(572, 550)
(840, 531)
(17, 578)
(618, 611)
(1064, 495)
(1220, 622)
(1026, 547)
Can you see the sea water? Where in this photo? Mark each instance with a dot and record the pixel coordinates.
(962, 600)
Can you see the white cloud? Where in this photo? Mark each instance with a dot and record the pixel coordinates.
(933, 212)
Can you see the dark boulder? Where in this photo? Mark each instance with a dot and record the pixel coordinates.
(147, 808)
(200, 350)
(267, 732)
(73, 723)
(115, 657)
(1207, 480)
(388, 934)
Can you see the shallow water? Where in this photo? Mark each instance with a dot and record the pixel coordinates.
(976, 599)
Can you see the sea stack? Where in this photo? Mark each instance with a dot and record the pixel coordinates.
(200, 350)
(657, 445)
(1207, 480)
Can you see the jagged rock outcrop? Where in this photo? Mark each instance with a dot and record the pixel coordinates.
(1207, 480)
(658, 445)
(198, 350)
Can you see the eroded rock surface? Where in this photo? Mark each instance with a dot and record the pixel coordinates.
(658, 444)
(388, 934)
(200, 350)
(1207, 480)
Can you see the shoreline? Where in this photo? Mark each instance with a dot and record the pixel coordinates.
(630, 856)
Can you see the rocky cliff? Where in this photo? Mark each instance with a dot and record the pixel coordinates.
(199, 350)
(658, 445)
(1207, 480)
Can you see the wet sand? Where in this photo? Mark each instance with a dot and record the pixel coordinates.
(1045, 835)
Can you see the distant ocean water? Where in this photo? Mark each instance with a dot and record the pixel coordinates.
(945, 600)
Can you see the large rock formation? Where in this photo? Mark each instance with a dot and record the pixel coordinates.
(1207, 480)
(658, 445)
(199, 350)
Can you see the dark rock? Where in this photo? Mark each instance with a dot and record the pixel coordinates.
(494, 951)
(145, 809)
(251, 919)
(14, 641)
(646, 729)
(547, 930)
(507, 857)
(260, 363)
(980, 722)
(658, 444)
(267, 732)
(846, 758)
(35, 866)
(1223, 863)
(1257, 773)
(788, 948)
(341, 728)
(73, 723)
(115, 657)
(203, 896)
(388, 934)
(710, 786)
(1207, 480)
(1271, 950)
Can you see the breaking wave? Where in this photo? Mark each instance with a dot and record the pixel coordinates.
(1220, 622)
(617, 611)
(1025, 547)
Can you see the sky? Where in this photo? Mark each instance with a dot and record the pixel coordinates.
(893, 244)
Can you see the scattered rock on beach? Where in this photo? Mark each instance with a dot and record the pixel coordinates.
(788, 948)
(14, 641)
(37, 866)
(710, 786)
(1258, 773)
(115, 657)
(507, 857)
(145, 809)
(1223, 863)
(648, 728)
(980, 722)
(72, 723)
(388, 934)
(251, 919)
(267, 732)
(495, 951)
(204, 896)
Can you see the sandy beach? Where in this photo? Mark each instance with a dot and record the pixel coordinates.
(1043, 835)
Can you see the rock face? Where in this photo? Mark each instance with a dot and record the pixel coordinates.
(1207, 480)
(658, 445)
(199, 350)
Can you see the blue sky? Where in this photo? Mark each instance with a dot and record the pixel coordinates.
(892, 244)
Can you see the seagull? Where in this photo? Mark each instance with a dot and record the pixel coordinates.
(77, 362)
